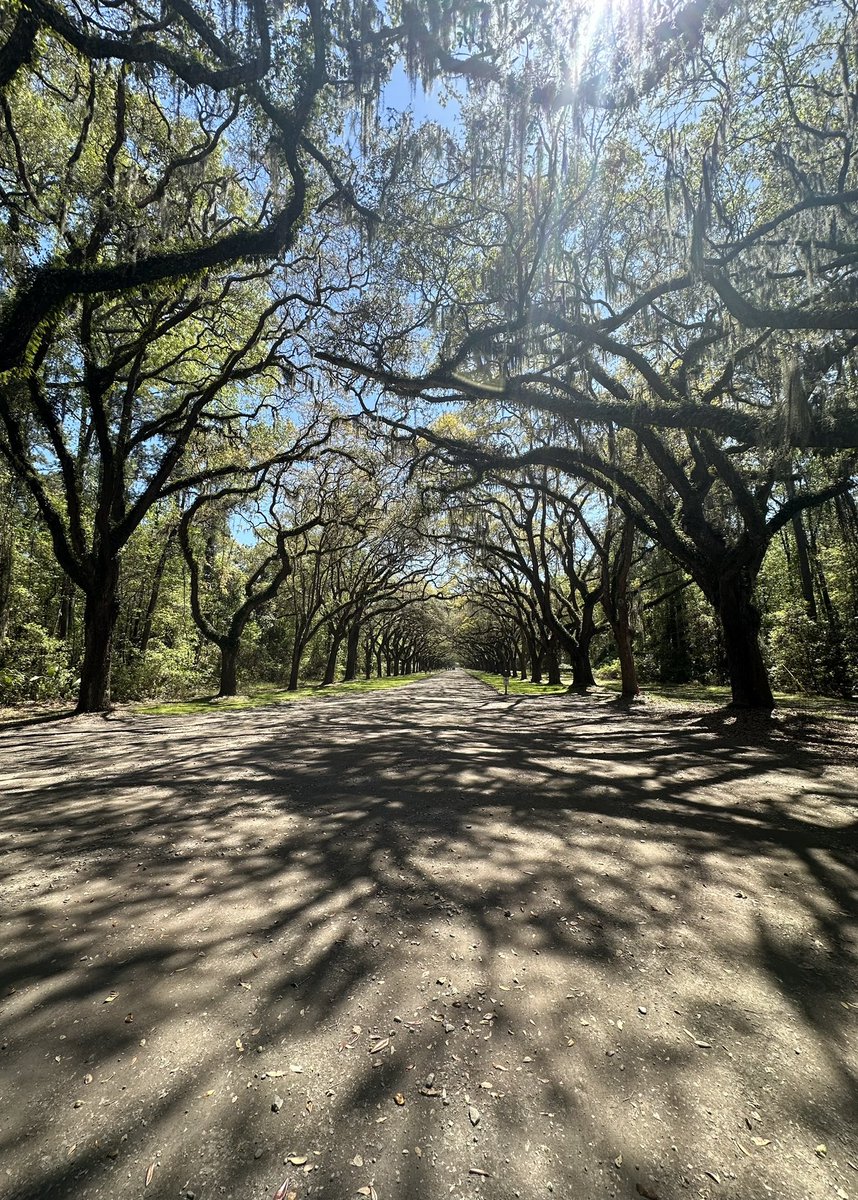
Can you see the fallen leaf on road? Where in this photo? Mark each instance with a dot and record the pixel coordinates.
(379, 1045)
(297, 1160)
(697, 1041)
(150, 1171)
(477, 1171)
(399, 1099)
(758, 1141)
(821, 1149)
(357, 1161)
(283, 1193)
(474, 1115)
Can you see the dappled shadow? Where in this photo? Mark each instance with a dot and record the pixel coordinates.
(625, 940)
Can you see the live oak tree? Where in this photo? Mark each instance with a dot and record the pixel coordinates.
(661, 280)
(387, 570)
(650, 237)
(485, 636)
(525, 540)
(491, 587)
(224, 598)
(364, 563)
(556, 554)
(415, 634)
(112, 374)
(103, 426)
(615, 545)
(147, 164)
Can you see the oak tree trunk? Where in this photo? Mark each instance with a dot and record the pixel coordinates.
(625, 652)
(99, 622)
(352, 648)
(552, 664)
(333, 653)
(228, 667)
(740, 623)
(582, 672)
(295, 665)
(535, 652)
(803, 555)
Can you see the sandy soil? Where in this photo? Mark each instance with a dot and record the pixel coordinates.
(427, 943)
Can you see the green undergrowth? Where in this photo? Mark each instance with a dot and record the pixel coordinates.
(693, 693)
(267, 695)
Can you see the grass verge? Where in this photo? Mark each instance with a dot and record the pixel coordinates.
(267, 695)
(523, 687)
(685, 693)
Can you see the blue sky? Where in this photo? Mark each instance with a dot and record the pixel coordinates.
(440, 104)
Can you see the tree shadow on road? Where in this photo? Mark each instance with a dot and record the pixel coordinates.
(626, 940)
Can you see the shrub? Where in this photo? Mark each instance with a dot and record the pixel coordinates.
(165, 672)
(810, 656)
(36, 666)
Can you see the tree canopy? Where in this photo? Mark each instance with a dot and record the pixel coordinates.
(500, 300)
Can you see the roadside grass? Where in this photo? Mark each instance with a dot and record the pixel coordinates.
(523, 687)
(693, 693)
(269, 695)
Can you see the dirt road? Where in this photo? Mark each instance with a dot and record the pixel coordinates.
(426, 943)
